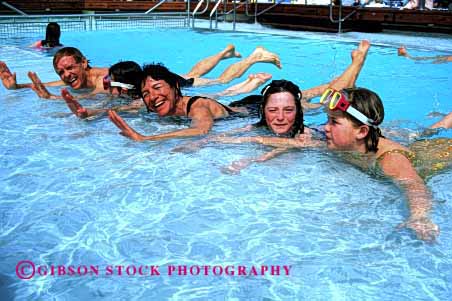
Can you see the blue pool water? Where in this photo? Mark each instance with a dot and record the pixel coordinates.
(75, 193)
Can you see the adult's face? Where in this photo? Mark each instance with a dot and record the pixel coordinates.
(159, 96)
(72, 73)
(280, 112)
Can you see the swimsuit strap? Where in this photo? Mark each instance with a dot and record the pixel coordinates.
(407, 154)
(195, 98)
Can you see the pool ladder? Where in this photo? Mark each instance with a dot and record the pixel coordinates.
(233, 11)
(339, 19)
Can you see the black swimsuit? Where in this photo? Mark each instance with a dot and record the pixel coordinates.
(195, 98)
(251, 103)
(185, 82)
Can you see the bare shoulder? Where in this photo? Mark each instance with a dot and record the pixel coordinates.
(211, 105)
(386, 145)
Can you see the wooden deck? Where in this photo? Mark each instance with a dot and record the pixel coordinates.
(299, 17)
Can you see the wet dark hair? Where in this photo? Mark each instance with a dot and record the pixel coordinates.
(128, 72)
(69, 51)
(52, 35)
(370, 104)
(160, 72)
(278, 86)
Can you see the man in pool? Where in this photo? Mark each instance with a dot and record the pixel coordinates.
(74, 70)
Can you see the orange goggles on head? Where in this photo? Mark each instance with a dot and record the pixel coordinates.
(337, 100)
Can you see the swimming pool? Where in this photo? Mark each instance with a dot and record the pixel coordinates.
(75, 193)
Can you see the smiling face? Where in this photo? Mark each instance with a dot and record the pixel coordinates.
(72, 73)
(280, 112)
(159, 96)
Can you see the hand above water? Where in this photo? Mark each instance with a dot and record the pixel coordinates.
(126, 130)
(39, 87)
(73, 104)
(8, 78)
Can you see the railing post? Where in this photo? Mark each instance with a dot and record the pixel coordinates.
(234, 15)
(188, 13)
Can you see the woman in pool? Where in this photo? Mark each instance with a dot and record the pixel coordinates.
(161, 94)
(354, 117)
(52, 40)
(124, 77)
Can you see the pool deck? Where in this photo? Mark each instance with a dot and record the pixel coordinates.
(287, 16)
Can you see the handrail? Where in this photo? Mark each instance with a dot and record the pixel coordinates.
(154, 7)
(13, 8)
(262, 12)
(214, 9)
(195, 11)
(340, 19)
(88, 15)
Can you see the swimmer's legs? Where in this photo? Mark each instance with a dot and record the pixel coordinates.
(253, 82)
(446, 122)
(204, 66)
(260, 54)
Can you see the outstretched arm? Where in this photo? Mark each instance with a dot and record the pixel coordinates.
(236, 166)
(39, 87)
(201, 124)
(83, 113)
(301, 141)
(400, 169)
(9, 79)
(195, 145)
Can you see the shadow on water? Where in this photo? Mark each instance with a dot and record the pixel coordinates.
(6, 291)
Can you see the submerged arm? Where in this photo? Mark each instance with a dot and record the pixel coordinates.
(400, 169)
(236, 166)
(279, 142)
(195, 145)
(201, 124)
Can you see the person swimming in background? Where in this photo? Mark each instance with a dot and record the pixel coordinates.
(52, 39)
(74, 71)
(124, 77)
(438, 59)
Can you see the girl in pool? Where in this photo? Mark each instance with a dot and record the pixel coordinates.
(52, 40)
(354, 117)
(161, 94)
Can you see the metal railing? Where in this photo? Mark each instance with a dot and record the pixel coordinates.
(195, 11)
(23, 24)
(13, 8)
(339, 19)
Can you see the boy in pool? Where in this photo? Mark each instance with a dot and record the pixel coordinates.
(74, 70)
